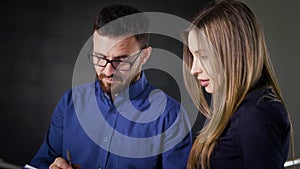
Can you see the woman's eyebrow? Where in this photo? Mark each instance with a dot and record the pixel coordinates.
(199, 51)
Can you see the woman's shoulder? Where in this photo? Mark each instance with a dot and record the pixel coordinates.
(262, 108)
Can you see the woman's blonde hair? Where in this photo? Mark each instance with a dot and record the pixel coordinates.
(238, 59)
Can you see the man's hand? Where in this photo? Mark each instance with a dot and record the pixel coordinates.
(60, 163)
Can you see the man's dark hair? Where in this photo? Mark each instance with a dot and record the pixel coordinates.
(127, 21)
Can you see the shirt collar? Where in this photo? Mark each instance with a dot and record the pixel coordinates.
(135, 89)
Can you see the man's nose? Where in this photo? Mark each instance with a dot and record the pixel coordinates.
(109, 69)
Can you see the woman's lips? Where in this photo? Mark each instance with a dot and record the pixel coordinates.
(204, 82)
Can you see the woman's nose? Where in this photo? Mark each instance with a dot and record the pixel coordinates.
(196, 66)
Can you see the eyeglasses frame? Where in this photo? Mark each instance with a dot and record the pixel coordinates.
(115, 60)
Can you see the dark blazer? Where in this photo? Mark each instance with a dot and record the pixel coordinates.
(256, 137)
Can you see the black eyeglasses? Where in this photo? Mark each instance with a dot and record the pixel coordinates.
(100, 60)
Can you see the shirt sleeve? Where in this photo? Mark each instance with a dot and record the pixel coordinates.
(264, 129)
(176, 157)
(52, 144)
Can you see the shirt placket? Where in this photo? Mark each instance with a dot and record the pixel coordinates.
(108, 138)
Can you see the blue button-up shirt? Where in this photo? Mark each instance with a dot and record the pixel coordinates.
(141, 128)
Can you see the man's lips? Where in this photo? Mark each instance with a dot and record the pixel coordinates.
(112, 80)
(109, 79)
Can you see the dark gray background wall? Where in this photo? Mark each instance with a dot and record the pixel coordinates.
(40, 41)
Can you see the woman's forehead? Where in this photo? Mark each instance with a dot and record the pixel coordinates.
(197, 42)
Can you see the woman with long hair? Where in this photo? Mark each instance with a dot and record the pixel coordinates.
(248, 125)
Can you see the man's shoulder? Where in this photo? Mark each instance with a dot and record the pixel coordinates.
(77, 90)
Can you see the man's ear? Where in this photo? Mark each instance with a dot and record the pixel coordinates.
(146, 54)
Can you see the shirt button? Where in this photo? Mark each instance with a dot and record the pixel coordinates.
(105, 139)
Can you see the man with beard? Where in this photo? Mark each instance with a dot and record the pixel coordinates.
(120, 120)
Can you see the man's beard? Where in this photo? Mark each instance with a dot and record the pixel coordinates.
(114, 88)
(111, 88)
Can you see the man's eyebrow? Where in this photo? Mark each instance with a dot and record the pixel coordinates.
(97, 53)
(121, 57)
(114, 58)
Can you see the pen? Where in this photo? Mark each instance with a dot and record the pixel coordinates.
(69, 158)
